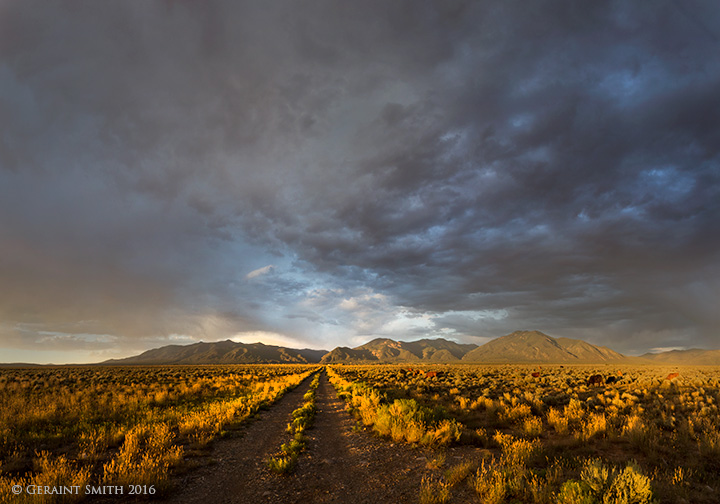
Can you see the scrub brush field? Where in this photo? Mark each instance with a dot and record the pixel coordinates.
(361, 433)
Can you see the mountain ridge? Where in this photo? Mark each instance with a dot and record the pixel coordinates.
(690, 357)
(223, 352)
(531, 347)
(387, 350)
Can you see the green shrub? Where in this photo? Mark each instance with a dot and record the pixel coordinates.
(597, 476)
(576, 492)
(629, 487)
(307, 410)
(607, 485)
(292, 447)
(282, 465)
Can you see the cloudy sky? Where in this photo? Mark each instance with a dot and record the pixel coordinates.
(321, 173)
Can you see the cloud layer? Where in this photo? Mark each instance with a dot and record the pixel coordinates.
(328, 172)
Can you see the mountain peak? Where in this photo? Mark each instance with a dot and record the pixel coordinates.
(528, 335)
(222, 352)
(538, 347)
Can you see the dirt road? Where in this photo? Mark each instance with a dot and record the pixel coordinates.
(339, 465)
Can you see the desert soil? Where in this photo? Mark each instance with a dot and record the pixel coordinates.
(341, 463)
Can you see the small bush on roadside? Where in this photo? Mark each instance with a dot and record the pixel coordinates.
(282, 465)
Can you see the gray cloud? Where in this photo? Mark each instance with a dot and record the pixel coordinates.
(554, 163)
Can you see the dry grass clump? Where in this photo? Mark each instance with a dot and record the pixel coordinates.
(513, 413)
(457, 473)
(489, 484)
(507, 477)
(437, 461)
(574, 412)
(516, 452)
(93, 443)
(434, 491)
(595, 425)
(366, 402)
(401, 420)
(144, 458)
(533, 426)
(448, 431)
(634, 426)
(557, 420)
(483, 403)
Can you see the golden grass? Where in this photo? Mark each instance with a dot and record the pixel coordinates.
(434, 491)
(120, 426)
(642, 416)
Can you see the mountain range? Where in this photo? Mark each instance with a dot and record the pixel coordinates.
(529, 347)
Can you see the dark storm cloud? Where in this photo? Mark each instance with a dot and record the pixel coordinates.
(457, 168)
